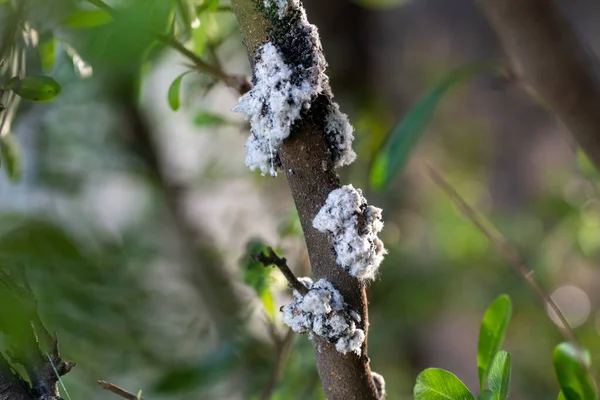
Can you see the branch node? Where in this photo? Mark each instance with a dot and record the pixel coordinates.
(271, 258)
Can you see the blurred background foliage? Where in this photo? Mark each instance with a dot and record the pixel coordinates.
(100, 223)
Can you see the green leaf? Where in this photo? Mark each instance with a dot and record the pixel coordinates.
(439, 384)
(561, 396)
(571, 366)
(207, 118)
(257, 275)
(491, 334)
(211, 5)
(46, 50)
(500, 375)
(486, 395)
(393, 155)
(35, 88)
(174, 89)
(9, 149)
(87, 19)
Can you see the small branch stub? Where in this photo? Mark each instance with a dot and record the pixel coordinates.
(273, 259)
(119, 391)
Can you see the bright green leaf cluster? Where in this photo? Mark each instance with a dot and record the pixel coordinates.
(439, 384)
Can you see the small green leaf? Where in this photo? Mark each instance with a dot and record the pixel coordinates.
(439, 384)
(393, 155)
(46, 49)
(207, 118)
(572, 371)
(87, 19)
(486, 395)
(9, 149)
(257, 275)
(174, 89)
(500, 375)
(491, 334)
(35, 88)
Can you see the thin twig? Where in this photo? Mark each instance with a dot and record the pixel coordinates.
(508, 251)
(118, 391)
(240, 83)
(283, 348)
(273, 259)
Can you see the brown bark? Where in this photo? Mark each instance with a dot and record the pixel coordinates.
(309, 169)
(547, 55)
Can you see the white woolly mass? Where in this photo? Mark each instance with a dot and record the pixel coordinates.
(273, 105)
(354, 226)
(282, 91)
(282, 6)
(339, 131)
(323, 312)
(379, 384)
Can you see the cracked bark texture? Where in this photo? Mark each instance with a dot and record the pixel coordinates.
(547, 55)
(309, 169)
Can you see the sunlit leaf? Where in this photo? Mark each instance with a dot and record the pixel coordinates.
(47, 52)
(393, 155)
(571, 366)
(207, 118)
(173, 95)
(35, 88)
(439, 384)
(499, 378)
(10, 152)
(491, 334)
(257, 275)
(87, 19)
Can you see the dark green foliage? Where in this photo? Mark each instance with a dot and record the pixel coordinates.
(394, 153)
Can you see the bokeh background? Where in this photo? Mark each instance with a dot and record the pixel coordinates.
(137, 248)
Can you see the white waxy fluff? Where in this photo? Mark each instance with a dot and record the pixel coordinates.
(353, 226)
(323, 312)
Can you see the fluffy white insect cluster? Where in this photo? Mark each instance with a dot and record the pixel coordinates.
(273, 105)
(281, 92)
(323, 312)
(354, 226)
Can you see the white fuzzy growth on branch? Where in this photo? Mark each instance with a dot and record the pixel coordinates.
(354, 226)
(282, 91)
(273, 105)
(282, 6)
(323, 312)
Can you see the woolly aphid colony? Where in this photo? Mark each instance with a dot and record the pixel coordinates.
(289, 75)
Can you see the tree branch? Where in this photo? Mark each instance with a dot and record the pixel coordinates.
(118, 391)
(311, 177)
(273, 259)
(547, 55)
